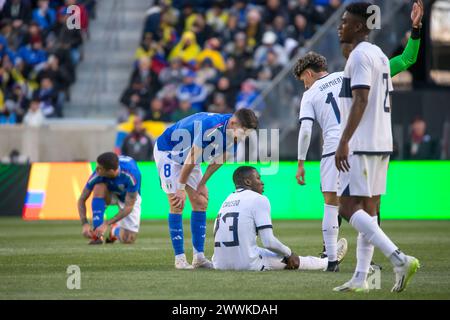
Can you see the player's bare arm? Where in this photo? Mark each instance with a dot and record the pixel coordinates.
(213, 166)
(87, 231)
(356, 113)
(130, 200)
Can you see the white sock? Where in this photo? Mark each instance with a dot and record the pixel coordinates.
(364, 254)
(312, 263)
(330, 231)
(364, 224)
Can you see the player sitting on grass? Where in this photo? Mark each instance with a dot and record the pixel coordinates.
(244, 215)
(178, 153)
(116, 181)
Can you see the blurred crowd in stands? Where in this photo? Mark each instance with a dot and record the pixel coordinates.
(38, 57)
(215, 56)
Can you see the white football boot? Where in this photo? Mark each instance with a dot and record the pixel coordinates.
(199, 261)
(181, 263)
(350, 286)
(404, 273)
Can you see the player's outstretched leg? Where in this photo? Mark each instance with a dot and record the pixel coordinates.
(314, 263)
(198, 228)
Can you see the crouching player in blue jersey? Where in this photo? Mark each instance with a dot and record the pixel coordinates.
(202, 137)
(116, 181)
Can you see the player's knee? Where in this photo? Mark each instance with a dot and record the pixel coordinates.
(176, 210)
(199, 203)
(345, 210)
(331, 198)
(100, 190)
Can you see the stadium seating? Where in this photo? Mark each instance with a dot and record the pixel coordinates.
(38, 57)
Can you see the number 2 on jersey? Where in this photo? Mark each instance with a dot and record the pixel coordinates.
(233, 228)
(332, 101)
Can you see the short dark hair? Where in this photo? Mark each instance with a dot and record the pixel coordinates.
(311, 60)
(108, 160)
(242, 173)
(359, 9)
(247, 118)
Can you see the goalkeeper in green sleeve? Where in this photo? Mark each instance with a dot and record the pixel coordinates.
(409, 56)
(398, 63)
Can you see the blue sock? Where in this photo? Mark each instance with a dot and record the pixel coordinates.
(198, 229)
(98, 211)
(117, 233)
(176, 232)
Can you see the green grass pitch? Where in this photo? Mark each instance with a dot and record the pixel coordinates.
(34, 257)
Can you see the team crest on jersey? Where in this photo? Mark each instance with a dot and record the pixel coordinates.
(121, 187)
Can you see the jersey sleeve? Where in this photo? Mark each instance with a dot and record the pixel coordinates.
(306, 110)
(93, 180)
(261, 213)
(360, 71)
(407, 58)
(133, 184)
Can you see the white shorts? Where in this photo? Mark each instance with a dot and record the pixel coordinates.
(169, 172)
(271, 260)
(133, 220)
(366, 177)
(328, 174)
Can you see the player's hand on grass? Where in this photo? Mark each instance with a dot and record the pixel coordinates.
(417, 14)
(87, 231)
(301, 175)
(293, 262)
(341, 157)
(179, 199)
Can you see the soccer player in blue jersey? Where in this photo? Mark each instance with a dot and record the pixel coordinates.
(116, 181)
(178, 152)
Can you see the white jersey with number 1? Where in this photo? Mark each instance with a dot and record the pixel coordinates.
(320, 103)
(242, 214)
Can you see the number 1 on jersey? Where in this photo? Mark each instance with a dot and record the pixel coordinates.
(332, 101)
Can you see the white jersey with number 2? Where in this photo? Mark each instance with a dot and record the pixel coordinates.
(368, 67)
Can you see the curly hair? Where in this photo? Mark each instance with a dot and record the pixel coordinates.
(311, 60)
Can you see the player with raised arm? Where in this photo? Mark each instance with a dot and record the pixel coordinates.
(116, 181)
(244, 215)
(363, 152)
(178, 152)
(319, 103)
